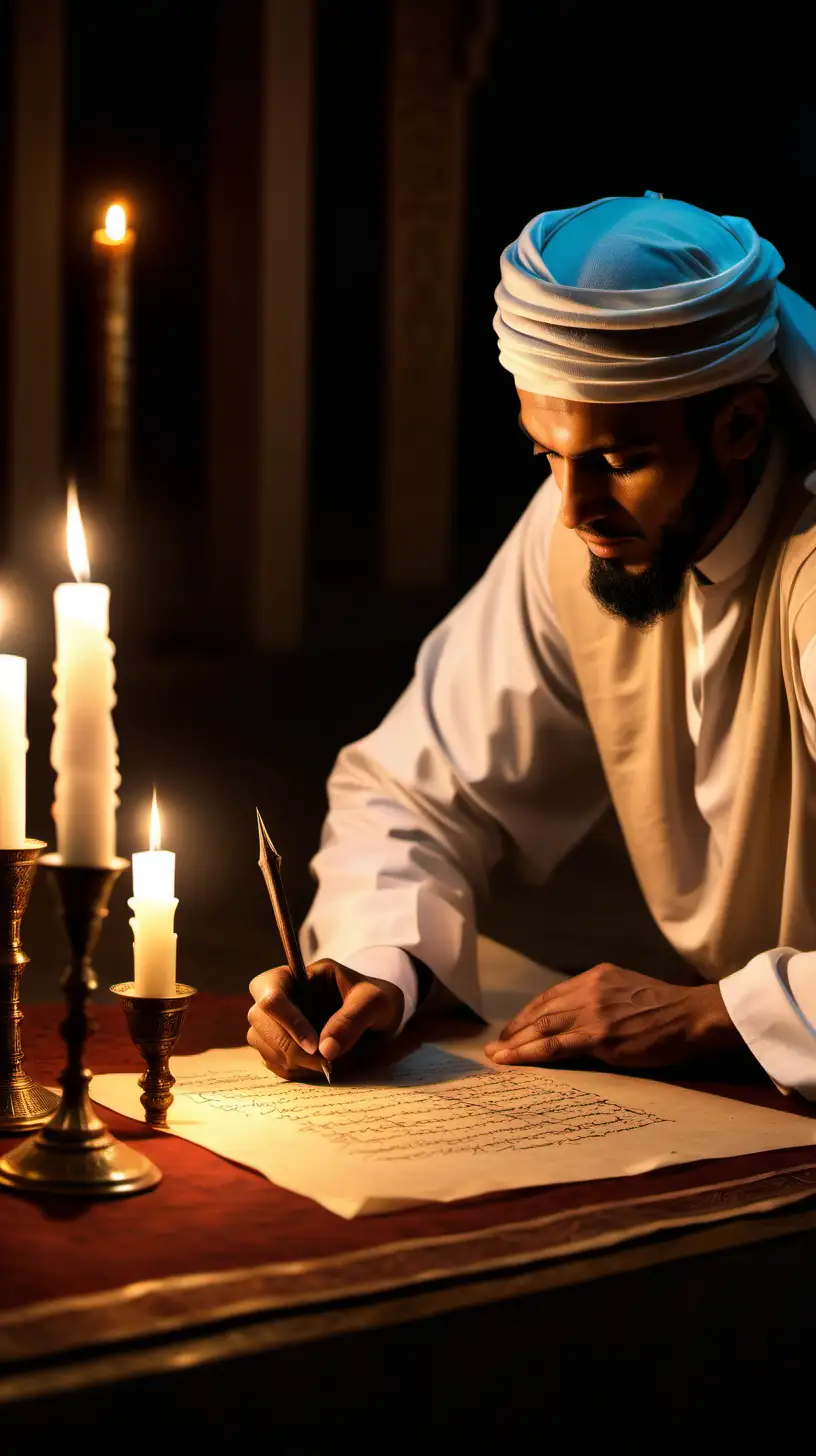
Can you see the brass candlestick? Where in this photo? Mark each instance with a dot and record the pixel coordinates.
(154, 1023)
(24, 1104)
(75, 1153)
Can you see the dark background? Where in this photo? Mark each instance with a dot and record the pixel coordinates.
(573, 104)
(552, 125)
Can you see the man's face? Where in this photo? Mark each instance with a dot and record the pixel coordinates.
(639, 491)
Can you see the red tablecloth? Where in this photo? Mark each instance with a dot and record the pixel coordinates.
(209, 1214)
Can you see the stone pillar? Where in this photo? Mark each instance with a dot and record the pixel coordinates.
(36, 487)
(438, 49)
(284, 354)
(232, 312)
(261, 218)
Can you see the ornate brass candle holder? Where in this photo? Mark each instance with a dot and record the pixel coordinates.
(24, 1104)
(75, 1153)
(154, 1023)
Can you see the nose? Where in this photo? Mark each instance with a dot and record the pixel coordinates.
(584, 497)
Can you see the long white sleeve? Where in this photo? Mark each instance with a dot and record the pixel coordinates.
(770, 1017)
(772, 1000)
(487, 750)
(387, 963)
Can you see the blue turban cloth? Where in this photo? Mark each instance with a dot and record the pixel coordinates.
(646, 298)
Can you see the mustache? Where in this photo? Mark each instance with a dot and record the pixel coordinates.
(605, 531)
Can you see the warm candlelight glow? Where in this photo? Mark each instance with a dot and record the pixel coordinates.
(155, 825)
(115, 223)
(77, 549)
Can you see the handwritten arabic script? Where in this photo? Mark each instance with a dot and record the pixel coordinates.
(430, 1105)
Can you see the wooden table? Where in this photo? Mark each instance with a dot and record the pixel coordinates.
(677, 1296)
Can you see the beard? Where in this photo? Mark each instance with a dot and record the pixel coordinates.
(642, 600)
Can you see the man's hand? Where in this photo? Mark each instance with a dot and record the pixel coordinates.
(620, 1017)
(342, 1006)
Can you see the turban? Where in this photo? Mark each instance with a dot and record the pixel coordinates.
(646, 298)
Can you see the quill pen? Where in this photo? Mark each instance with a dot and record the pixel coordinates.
(270, 863)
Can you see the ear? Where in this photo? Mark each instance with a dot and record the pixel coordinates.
(740, 425)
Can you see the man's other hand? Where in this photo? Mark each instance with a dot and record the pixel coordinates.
(620, 1017)
(293, 1031)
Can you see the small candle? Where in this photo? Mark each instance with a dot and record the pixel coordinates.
(84, 746)
(154, 908)
(13, 746)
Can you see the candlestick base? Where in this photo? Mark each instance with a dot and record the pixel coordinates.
(78, 1157)
(154, 1023)
(24, 1104)
(75, 1153)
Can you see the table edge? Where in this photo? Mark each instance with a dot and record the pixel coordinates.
(125, 1331)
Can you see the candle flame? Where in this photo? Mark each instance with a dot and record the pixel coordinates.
(75, 531)
(155, 824)
(115, 222)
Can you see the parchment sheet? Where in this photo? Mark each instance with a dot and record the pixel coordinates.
(442, 1123)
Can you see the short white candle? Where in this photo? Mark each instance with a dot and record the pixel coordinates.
(84, 746)
(154, 907)
(13, 746)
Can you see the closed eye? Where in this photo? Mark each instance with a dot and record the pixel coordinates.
(631, 468)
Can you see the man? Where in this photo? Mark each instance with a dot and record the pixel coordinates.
(646, 635)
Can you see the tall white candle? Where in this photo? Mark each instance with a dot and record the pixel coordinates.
(154, 908)
(84, 746)
(13, 746)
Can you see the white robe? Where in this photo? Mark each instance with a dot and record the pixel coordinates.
(421, 809)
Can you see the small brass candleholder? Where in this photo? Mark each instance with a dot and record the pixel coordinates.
(75, 1153)
(154, 1023)
(24, 1104)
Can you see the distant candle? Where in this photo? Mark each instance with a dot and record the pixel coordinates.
(13, 746)
(113, 245)
(84, 746)
(154, 908)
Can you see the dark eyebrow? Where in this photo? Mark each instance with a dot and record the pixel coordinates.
(614, 448)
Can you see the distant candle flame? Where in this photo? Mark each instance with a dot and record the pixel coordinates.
(115, 222)
(155, 825)
(77, 549)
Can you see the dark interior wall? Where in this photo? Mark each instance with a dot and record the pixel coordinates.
(5, 260)
(349, 273)
(136, 99)
(139, 97)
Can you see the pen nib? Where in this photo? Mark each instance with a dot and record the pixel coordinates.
(327, 1072)
(265, 845)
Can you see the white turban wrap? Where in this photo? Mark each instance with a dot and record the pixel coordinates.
(645, 298)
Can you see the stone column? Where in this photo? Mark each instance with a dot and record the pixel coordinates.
(261, 218)
(36, 487)
(232, 313)
(284, 353)
(438, 50)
